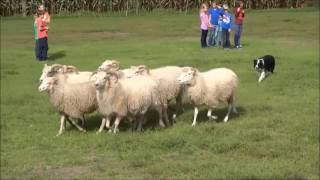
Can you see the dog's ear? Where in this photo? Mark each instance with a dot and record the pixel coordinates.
(254, 63)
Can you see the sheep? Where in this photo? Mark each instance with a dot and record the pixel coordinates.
(73, 74)
(125, 97)
(168, 86)
(114, 66)
(210, 88)
(70, 100)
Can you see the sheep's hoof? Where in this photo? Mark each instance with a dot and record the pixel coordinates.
(174, 116)
(162, 125)
(115, 131)
(214, 117)
(59, 134)
(225, 120)
(193, 124)
(110, 131)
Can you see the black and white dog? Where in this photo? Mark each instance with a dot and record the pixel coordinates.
(264, 65)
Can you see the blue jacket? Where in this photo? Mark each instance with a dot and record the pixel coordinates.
(226, 20)
(214, 13)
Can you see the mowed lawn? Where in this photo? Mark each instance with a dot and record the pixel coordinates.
(276, 135)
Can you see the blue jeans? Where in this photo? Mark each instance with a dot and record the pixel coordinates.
(219, 38)
(213, 35)
(237, 34)
(225, 38)
(43, 48)
(36, 49)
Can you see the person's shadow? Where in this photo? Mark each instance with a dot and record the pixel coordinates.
(57, 55)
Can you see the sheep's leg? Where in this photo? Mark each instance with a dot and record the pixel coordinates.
(83, 120)
(262, 76)
(116, 124)
(165, 112)
(134, 125)
(195, 116)
(107, 123)
(211, 116)
(103, 123)
(62, 125)
(229, 110)
(77, 125)
(140, 122)
(178, 107)
(160, 111)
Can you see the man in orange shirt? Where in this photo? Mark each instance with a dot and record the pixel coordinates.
(42, 29)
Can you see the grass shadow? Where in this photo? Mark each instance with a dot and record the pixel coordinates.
(57, 55)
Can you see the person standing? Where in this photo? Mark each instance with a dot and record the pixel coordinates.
(204, 19)
(42, 31)
(219, 34)
(239, 15)
(35, 31)
(226, 26)
(214, 12)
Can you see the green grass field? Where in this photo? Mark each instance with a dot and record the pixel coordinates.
(276, 135)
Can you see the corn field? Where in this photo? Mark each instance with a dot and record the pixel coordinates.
(28, 7)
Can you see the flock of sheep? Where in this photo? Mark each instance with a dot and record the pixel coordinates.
(129, 94)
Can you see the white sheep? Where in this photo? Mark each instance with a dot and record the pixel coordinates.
(114, 66)
(168, 86)
(73, 74)
(125, 97)
(70, 100)
(209, 88)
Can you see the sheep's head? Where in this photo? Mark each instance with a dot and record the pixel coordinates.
(187, 76)
(105, 79)
(138, 70)
(109, 65)
(51, 70)
(47, 84)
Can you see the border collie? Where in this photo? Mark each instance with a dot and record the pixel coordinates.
(264, 65)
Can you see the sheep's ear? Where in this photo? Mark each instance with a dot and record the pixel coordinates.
(70, 69)
(194, 70)
(45, 65)
(93, 74)
(142, 68)
(54, 80)
(113, 78)
(56, 67)
(185, 69)
(115, 64)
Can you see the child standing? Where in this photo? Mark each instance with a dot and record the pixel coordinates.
(226, 26)
(204, 19)
(239, 14)
(35, 32)
(219, 32)
(43, 22)
(42, 33)
(213, 19)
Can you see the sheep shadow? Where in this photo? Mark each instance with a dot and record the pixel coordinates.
(57, 55)
(93, 122)
(221, 113)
